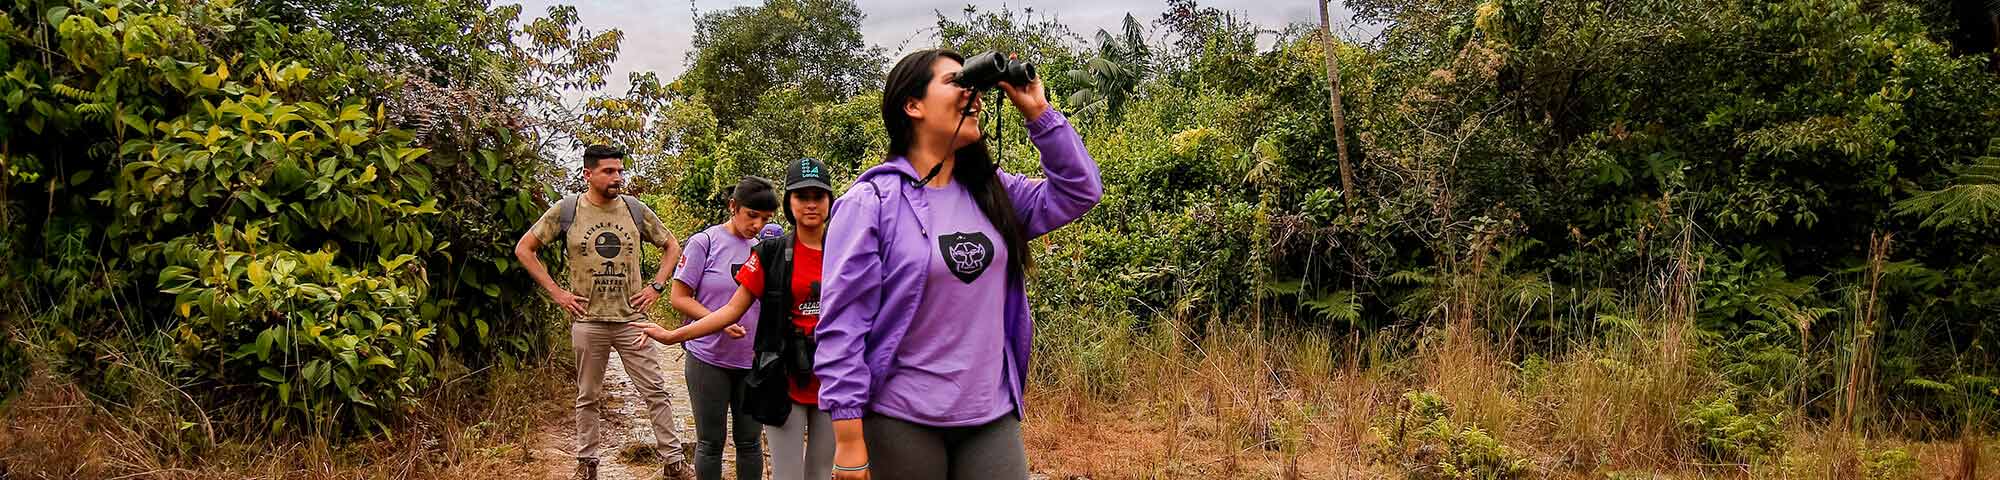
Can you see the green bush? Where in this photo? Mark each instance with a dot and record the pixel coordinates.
(1424, 441)
(1722, 433)
(316, 344)
(1891, 464)
(244, 191)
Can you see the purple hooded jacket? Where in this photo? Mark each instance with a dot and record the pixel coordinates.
(877, 251)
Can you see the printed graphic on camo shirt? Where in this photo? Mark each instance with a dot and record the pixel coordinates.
(603, 246)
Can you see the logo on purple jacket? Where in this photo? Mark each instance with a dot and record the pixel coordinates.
(968, 254)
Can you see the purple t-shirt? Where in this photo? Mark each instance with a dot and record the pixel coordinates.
(708, 265)
(956, 346)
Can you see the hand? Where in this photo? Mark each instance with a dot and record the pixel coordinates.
(570, 302)
(653, 333)
(849, 450)
(1028, 98)
(735, 331)
(643, 300)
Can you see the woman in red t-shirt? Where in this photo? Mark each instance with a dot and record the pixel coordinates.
(808, 198)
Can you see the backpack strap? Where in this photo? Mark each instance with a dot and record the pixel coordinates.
(778, 273)
(565, 215)
(638, 210)
(774, 317)
(566, 212)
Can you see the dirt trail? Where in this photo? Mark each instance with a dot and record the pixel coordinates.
(628, 451)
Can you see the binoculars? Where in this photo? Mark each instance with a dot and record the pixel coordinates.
(983, 71)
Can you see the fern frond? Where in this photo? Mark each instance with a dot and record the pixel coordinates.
(1341, 305)
(94, 111)
(74, 93)
(1973, 197)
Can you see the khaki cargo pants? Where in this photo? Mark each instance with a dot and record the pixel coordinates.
(593, 343)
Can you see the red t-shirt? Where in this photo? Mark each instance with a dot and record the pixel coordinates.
(804, 388)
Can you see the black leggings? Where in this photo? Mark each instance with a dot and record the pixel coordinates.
(900, 450)
(712, 393)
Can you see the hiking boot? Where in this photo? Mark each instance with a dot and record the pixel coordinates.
(586, 469)
(680, 470)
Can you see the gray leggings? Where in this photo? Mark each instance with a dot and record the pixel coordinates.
(803, 448)
(712, 394)
(899, 450)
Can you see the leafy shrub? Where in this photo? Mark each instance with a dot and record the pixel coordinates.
(241, 190)
(1894, 463)
(1428, 444)
(1720, 432)
(313, 342)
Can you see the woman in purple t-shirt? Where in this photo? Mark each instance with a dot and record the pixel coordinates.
(717, 364)
(924, 331)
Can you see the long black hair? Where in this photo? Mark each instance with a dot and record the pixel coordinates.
(976, 170)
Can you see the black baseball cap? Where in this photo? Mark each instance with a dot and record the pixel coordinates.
(807, 173)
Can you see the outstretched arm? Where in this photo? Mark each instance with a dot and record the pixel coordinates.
(715, 321)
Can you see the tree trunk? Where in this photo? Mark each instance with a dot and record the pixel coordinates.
(1333, 93)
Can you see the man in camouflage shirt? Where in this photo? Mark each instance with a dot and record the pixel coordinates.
(602, 231)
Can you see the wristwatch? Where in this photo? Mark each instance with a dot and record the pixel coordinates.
(658, 287)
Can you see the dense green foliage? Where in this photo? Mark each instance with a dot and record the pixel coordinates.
(1532, 167)
(263, 208)
(311, 205)
(812, 45)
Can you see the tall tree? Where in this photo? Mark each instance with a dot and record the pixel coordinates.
(815, 45)
(1333, 95)
(1110, 76)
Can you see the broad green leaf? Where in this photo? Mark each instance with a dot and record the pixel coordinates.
(379, 360)
(393, 264)
(367, 175)
(258, 277)
(137, 123)
(174, 274)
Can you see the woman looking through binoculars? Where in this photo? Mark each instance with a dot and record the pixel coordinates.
(924, 333)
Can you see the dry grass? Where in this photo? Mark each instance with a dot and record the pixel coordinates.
(1287, 407)
(1233, 406)
(54, 431)
(1237, 404)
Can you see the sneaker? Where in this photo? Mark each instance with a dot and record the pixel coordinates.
(677, 471)
(586, 469)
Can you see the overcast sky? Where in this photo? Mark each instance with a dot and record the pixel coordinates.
(657, 32)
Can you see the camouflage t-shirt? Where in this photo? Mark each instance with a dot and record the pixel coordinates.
(603, 246)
